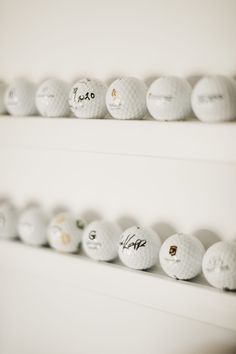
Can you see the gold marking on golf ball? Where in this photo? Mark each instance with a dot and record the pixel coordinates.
(65, 239)
(114, 93)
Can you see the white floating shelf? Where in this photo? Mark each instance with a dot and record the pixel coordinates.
(194, 300)
(177, 140)
(191, 140)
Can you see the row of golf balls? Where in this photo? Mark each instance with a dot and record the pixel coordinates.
(181, 256)
(213, 99)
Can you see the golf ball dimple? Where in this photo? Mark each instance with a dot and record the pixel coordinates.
(32, 226)
(20, 98)
(126, 98)
(3, 88)
(101, 240)
(169, 98)
(139, 247)
(87, 99)
(52, 98)
(219, 265)
(65, 233)
(181, 256)
(8, 221)
(214, 99)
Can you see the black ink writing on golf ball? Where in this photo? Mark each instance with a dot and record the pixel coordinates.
(92, 235)
(129, 243)
(88, 96)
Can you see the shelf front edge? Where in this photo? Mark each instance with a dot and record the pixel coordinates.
(191, 140)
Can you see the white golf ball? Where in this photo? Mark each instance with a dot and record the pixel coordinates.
(32, 226)
(65, 233)
(219, 265)
(20, 98)
(126, 98)
(87, 99)
(181, 256)
(8, 221)
(139, 247)
(214, 99)
(3, 88)
(52, 98)
(169, 98)
(101, 240)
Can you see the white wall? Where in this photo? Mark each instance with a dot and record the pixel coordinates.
(143, 38)
(105, 38)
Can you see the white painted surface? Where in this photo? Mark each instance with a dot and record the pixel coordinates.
(170, 194)
(190, 140)
(65, 304)
(196, 300)
(174, 177)
(101, 38)
(76, 321)
(120, 171)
